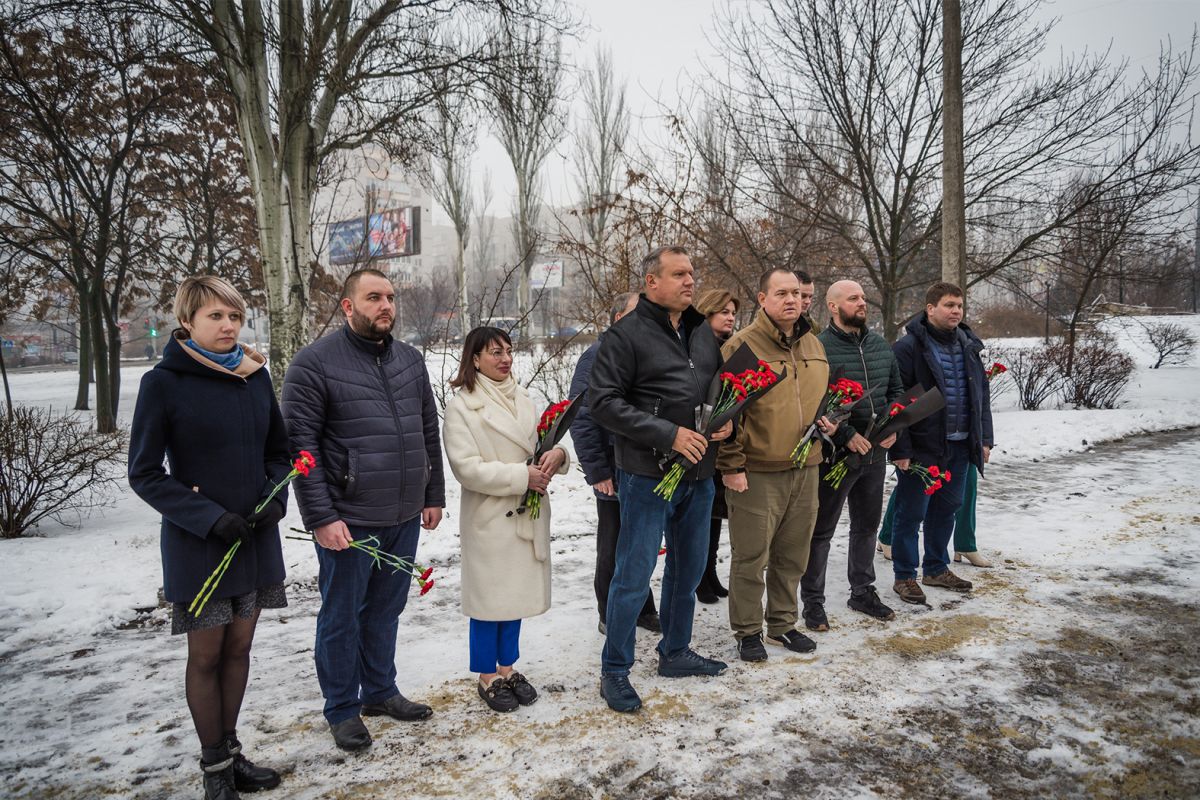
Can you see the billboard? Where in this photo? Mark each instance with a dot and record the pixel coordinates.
(546, 275)
(393, 233)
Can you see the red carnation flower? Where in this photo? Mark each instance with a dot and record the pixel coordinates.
(425, 587)
(425, 575)
(935, 470)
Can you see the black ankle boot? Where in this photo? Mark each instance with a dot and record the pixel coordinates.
(217, 765)
(247, 776)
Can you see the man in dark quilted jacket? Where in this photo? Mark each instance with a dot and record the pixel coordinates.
(938, 350)
(362, 404)
(866, 357)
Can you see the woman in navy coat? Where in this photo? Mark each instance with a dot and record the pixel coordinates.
(208, 407)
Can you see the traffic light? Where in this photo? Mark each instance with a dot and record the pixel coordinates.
(154, 333)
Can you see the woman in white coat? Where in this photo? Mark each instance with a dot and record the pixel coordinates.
(490, 435)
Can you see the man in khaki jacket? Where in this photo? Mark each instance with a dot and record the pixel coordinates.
(773, 502)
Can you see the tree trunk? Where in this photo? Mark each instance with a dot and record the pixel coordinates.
(7, 391)
(85, 354)
(461, 273)
(954, 220)
(114, 372)
(105, 417)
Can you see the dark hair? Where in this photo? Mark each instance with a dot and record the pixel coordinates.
(803, 276)
(935, 293)
(473, 345)
(351, 282)
(764, 280)
(653, 259)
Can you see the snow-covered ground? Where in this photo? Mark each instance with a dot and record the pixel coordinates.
(1073, 669)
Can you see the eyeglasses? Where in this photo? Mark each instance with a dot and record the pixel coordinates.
(495, 353)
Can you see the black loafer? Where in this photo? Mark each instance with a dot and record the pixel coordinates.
(523, 690)
(498, 695)
(351, 735)
(398, 707)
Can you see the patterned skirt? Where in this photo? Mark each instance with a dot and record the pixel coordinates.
(222, 611)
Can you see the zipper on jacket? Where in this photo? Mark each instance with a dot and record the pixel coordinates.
(387, 391)
(866, 377)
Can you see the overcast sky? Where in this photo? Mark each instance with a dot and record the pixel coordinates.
(656, 43)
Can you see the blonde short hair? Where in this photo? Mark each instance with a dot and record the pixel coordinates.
(198, 291)
(714, 300)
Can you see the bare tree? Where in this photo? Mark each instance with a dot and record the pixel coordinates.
(87, 100)
(599, 144)
(954, 218)
(1173, 343)
(525, 91)
(311, 79)
(847, 93)
(449, 181)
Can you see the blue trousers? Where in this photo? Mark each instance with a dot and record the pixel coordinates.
(644, 518)
(355, 650)
(937, 511)
(494, 643)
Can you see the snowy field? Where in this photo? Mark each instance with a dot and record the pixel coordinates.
(1072, 670)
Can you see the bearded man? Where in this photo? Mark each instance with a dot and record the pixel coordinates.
(362, 404)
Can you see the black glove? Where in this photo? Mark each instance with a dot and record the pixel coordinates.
(229, 528)
(268, 517)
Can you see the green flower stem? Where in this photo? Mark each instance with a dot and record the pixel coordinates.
(214, 580)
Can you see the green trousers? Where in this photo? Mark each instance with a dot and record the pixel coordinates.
(964, 523)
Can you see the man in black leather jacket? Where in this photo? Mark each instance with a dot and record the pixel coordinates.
(362, 404)
(648, 385)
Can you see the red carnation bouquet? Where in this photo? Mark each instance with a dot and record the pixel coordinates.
(933, 477)
(840, 397)
(741, 380)
(733, 391)
(839, 470)
(995, 369)
(554, 423)
(370, 546)
(300, 466)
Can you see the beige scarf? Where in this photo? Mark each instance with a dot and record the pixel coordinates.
(504, 393)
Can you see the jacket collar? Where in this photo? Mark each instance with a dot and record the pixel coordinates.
(178, 358)
(918, 326)
(689, 319)
(854, 338)
(368, 346)
(767, 325)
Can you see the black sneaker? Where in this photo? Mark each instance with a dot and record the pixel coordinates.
(525, 693)
(814, 617)
(869, 603)
(793, 640)
(619, 693)
(750, 648)
(689, 663)
(498, 695)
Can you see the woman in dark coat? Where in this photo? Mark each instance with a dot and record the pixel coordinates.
(208, 407)
(720, 308)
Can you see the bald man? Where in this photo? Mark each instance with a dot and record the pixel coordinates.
(867, 358)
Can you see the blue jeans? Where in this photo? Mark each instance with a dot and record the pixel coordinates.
(358, 621)
(937, 511)
(494, 643)
(644, 518)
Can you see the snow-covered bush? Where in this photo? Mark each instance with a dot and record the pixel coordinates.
(54, 466)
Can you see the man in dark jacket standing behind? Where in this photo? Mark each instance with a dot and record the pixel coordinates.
(938, 350)
(362, 404)
(867, 358)
(594, 448)
(650, 379)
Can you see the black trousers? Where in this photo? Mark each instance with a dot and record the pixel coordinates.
(608, 529)
(863, 489)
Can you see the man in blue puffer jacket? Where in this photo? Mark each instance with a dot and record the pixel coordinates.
(938, 350)
(362, 404)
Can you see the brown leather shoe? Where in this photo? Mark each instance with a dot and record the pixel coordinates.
(947, 580)
(909, 591)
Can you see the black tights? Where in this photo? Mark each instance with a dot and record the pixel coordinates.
(218, 667)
